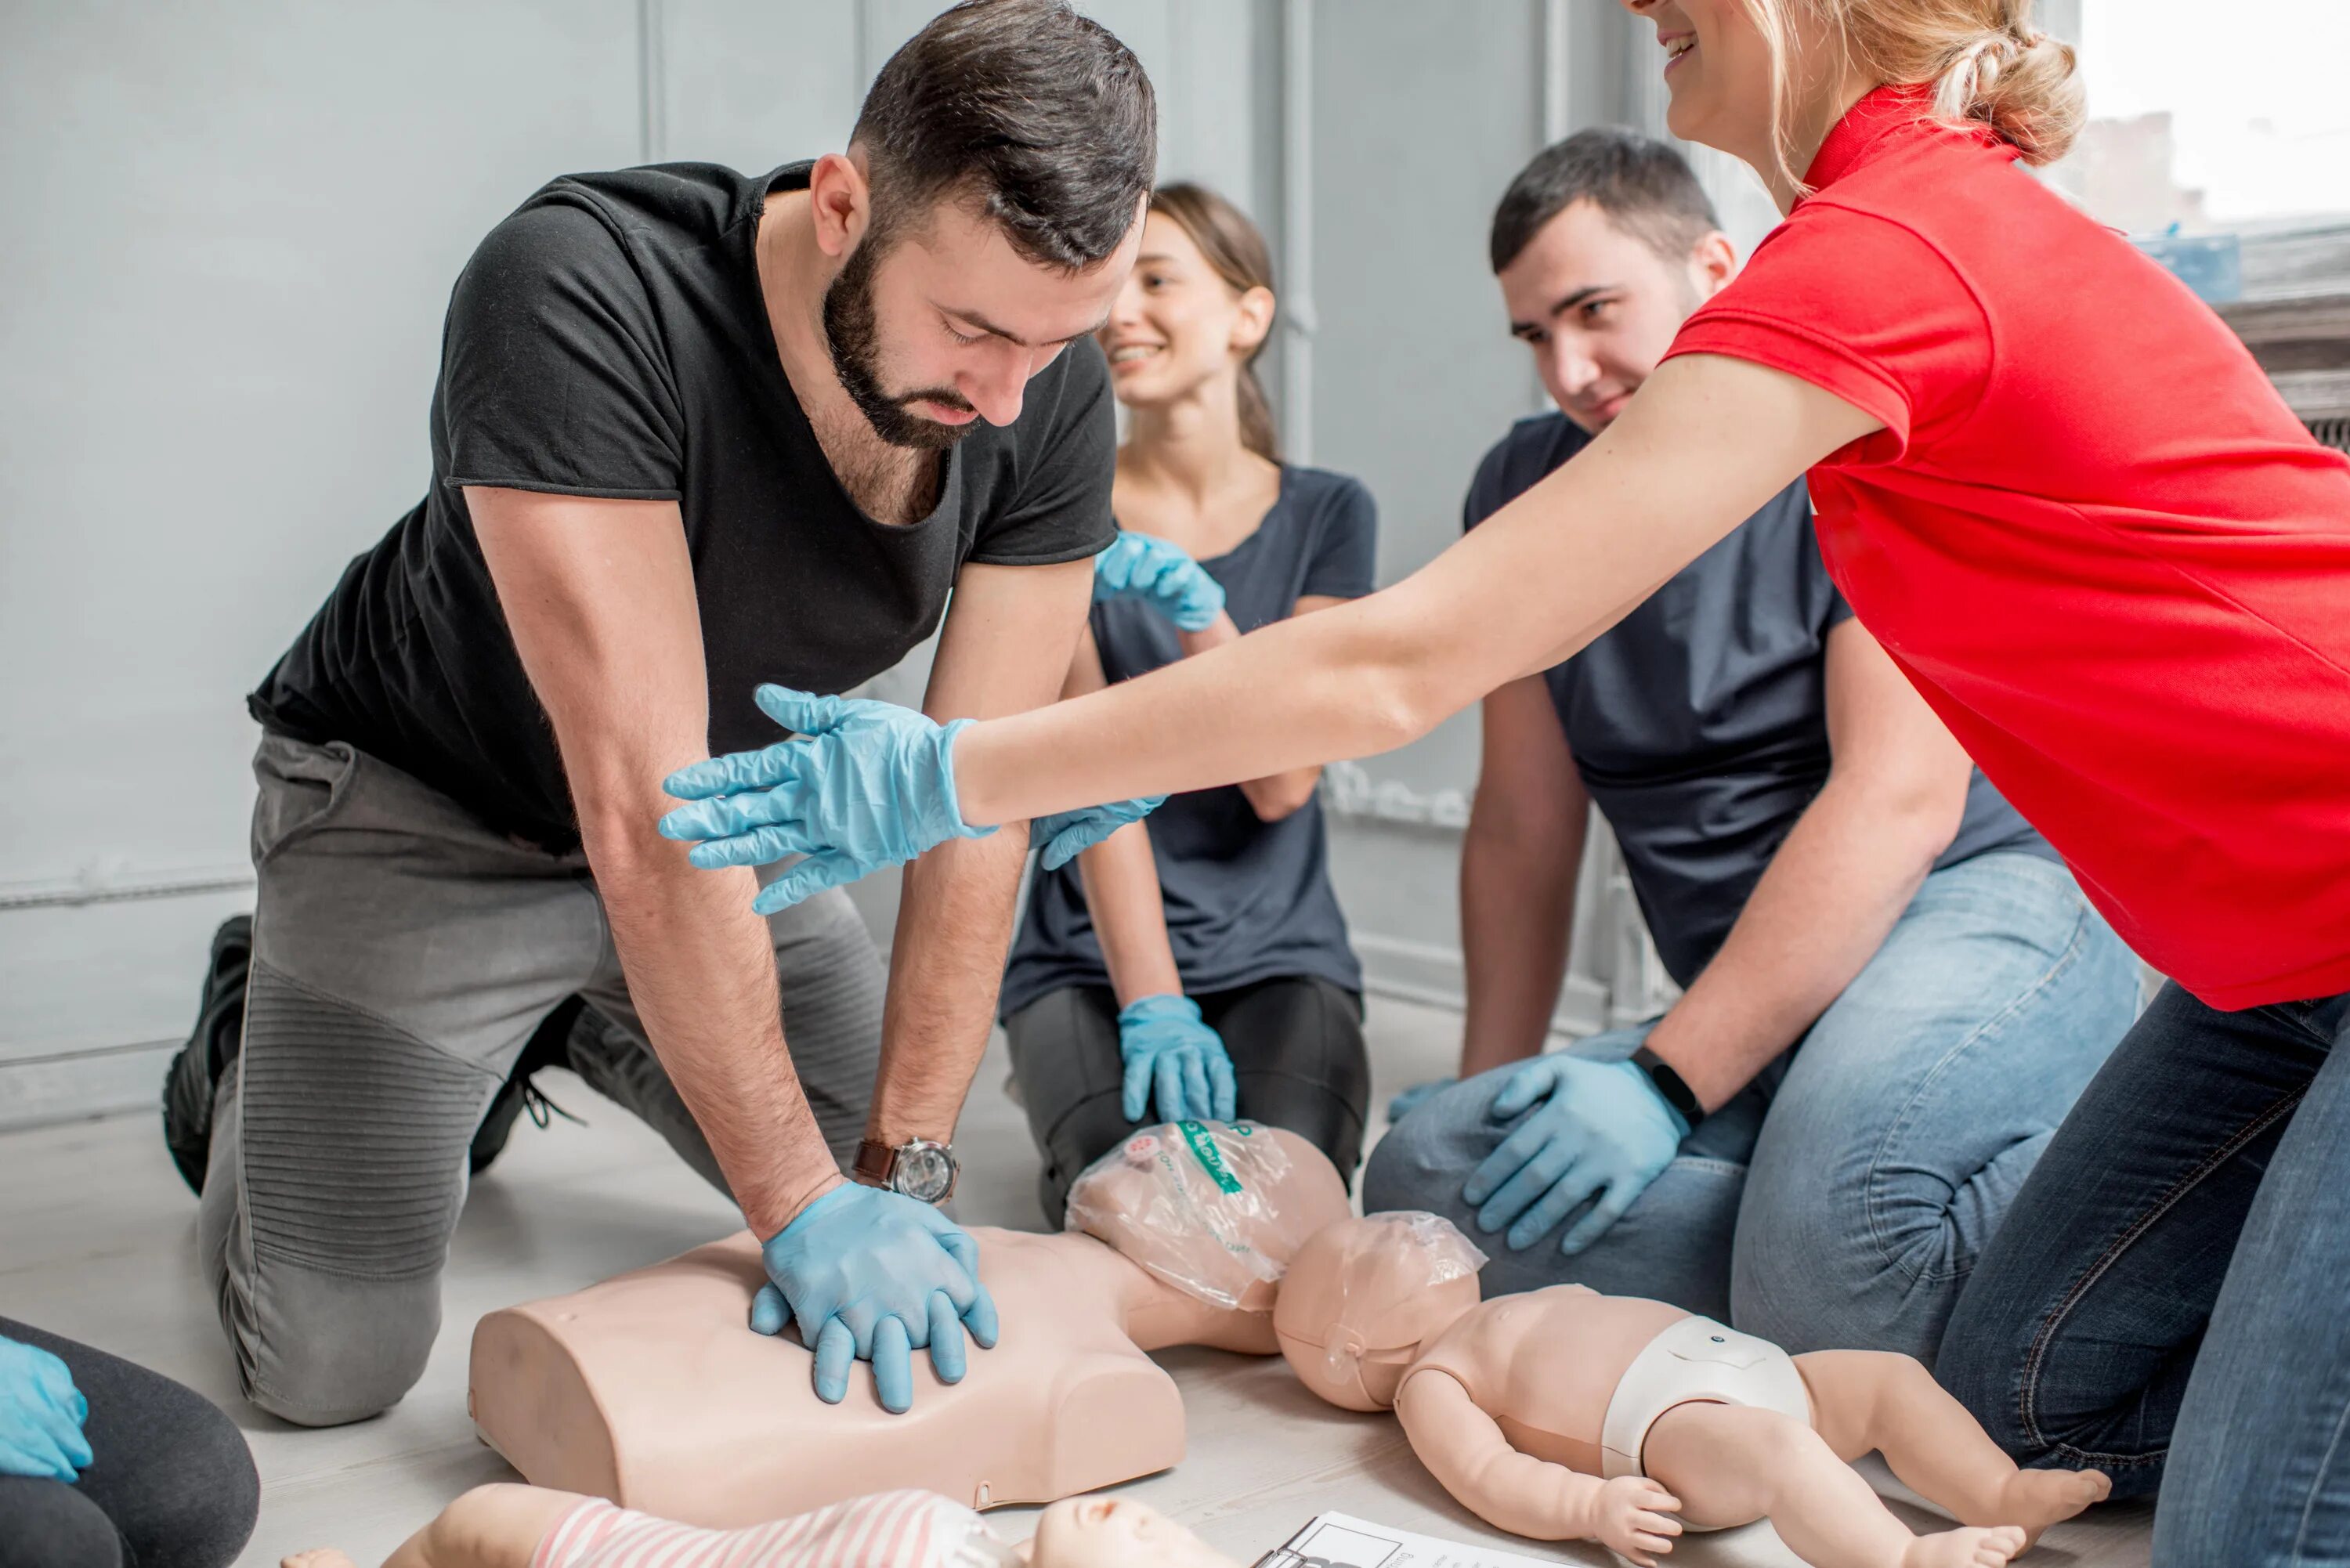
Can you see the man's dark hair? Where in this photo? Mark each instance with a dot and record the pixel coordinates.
(1036, 115)
(1640, 182)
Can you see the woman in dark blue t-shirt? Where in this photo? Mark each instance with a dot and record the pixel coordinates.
(1197, 966)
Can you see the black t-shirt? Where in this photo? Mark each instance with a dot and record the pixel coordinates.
(609, 339)
(1699, 723)
(1245, 900)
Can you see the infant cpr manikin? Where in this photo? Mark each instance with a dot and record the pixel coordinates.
(1563, 1413)
(648, 1389)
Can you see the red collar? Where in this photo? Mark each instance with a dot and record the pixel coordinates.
(1883, 115)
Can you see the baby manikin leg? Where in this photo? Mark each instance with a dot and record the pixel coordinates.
(1865, 1401)
(1731, 1464)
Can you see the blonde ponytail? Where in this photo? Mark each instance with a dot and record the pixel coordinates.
(1983, 61)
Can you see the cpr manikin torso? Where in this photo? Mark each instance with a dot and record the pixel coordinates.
(649, 1390)
(1561, 1413)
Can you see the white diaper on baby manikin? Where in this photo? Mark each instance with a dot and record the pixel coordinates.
(1697, 1360)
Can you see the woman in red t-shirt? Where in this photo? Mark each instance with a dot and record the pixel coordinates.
(2072, 509)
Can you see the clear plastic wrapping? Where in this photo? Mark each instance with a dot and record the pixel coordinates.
(1193, 1202)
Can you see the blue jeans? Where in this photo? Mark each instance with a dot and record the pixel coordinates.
(2170, 1300)
(1839, 1201)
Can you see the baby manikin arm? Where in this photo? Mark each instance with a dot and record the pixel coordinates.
(1463, 1448)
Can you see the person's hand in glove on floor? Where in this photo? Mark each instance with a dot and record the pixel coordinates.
(1176, 1066)
(871, 1275)
(1601, 1134)
(41, 1415)
(1143, 566)
(866, 784)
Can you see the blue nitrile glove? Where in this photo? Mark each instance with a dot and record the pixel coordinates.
(1144, 567)
(1605, 1132)
(1066, 835)
(863, 785)
(1400, 1106)
(879, 1275)
(41, 1414)
(1166, 1046)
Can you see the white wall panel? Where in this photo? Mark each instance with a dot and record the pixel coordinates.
(231, 232)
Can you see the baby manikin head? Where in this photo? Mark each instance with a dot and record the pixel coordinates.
(1214, 1210)
(1101, 1532)
(1363, 1295)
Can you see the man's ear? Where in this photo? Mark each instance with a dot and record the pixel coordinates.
(841, 199)
(1256, 321)
(1712, 261)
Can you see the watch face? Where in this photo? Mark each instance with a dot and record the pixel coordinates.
(925, 1172)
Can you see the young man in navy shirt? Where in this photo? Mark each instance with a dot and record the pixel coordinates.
(1895, 968)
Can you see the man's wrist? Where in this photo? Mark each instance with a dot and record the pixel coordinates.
(792, 1203)
(1666, 1080)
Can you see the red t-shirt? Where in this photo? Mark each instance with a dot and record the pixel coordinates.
(2091, 533)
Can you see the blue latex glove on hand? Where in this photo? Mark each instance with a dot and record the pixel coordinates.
(1066, 835)
(1163, 1043)
(1143, 566)
(41, 1415)
(1604, 1132)
(875, 1276)
(1400, 1106)
(865, 785)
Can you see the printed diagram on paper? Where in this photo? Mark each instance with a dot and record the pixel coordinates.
(1342, 1541)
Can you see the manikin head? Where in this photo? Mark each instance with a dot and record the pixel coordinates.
(1104, 1532)
(983, 216)
(1603, 245)
(1764, 80)
(1195, 314)
(1217, 1210)
(1363, 1295)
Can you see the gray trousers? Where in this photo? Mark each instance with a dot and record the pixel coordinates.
(403, 952)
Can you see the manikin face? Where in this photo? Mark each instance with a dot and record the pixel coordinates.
(945, 324)
(1717, 69)
(1598, 306)
(1101, 1532)
(1178, 324)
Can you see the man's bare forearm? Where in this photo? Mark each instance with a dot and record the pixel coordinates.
(1822, 908)
(1517, 905)
(946, 965)
(701, 969)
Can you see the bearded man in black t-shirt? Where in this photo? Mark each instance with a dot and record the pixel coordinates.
(694, 430)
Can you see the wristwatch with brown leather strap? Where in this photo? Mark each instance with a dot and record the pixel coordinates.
(918, 1168)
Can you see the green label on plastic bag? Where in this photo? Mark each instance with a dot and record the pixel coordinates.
(1203, 1149)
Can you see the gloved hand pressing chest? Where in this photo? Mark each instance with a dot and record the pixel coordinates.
(1602, 1132)
(1171, 1056)
(1144, 567)
(41, 1415)
(863, 785)
(875, 1276)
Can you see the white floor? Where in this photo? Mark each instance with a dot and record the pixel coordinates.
(96, 1241)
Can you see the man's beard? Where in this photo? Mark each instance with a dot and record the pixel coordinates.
(853, 334)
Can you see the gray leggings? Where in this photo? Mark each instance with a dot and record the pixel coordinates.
(1298, 1059)
(170, 1483)
(403, 952)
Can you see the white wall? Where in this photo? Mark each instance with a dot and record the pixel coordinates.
(231, 232)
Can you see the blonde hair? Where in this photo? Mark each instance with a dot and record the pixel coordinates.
(1986, 63)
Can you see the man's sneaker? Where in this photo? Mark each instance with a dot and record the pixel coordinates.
(548, 1046)
(218, 1034)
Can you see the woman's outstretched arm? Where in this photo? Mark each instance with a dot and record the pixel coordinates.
(1702, 446)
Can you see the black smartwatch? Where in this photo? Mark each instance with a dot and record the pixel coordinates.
(1669, 1085)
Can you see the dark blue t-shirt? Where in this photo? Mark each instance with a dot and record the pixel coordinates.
(1245, 900)
(1699, 723)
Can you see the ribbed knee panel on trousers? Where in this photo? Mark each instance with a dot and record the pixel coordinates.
(354, 1135)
